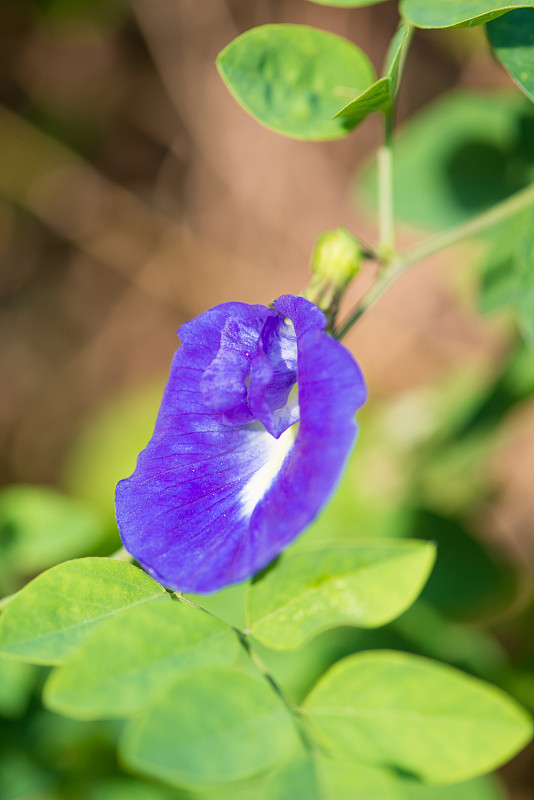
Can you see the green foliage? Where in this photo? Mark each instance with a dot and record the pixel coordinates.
(459, 156)
(50, 616)
(16, 684)
(397, 710)
(134, 655)
(326, 779)
(366, 583)
(379, 95)
(294, 79)
(40, 526)
(512, 42)
(213, 725)
(453, 13)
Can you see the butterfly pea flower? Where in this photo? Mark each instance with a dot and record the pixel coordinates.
(254, 429)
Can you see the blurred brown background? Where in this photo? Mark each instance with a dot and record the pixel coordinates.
(135, 193)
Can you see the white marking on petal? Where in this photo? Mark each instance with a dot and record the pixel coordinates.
(272, 452)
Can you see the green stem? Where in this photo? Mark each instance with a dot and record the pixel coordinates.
(307, 742)
(435, 244)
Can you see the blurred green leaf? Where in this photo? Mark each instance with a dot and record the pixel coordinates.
(425, 718)
(512, 41)
(294, 79)
(108, 445)
(50, 616)
(128, 659)
(365, 583)
(452, 13)
(325, 779)
(211, 726)
(16, 684)
(485, 788)
(469, 579)
(40, 526)
(127, 789)
(460, 156)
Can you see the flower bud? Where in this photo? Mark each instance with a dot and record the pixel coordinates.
(336, 260)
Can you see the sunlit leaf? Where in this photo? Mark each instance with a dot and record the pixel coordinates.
(209, 726)
(126, 660)
(425, 718)
(512, 41)
(452, 13)
(294, 79)
(50, 616)
(364, 583)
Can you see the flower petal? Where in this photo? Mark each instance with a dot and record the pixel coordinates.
(210, 504)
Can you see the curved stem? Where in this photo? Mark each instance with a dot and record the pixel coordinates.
(435, 244)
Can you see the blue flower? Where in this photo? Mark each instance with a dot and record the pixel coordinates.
(254, 429)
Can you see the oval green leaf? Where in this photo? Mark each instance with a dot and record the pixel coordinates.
(363, 583)
(294, 79)
(456, 13)
(50, 616)
(403, 711)
(512, 41)
(119, 667)
(211, 726)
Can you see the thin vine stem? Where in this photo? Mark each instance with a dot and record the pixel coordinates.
(435, 244)
(309, 745)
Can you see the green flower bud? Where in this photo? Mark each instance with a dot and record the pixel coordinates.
(336, 260)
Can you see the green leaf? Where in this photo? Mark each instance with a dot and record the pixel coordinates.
(484, 788)
(294, 79)
(40, 526)
(325, 779)
(117, 669)
(16, 684)
(391, 63)
(459, 156)
(380, 94)
(376, 98)
(398, 710)
(50, 616)
(364, 583)
(512, 41)
(211, 726)
(456, 13)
